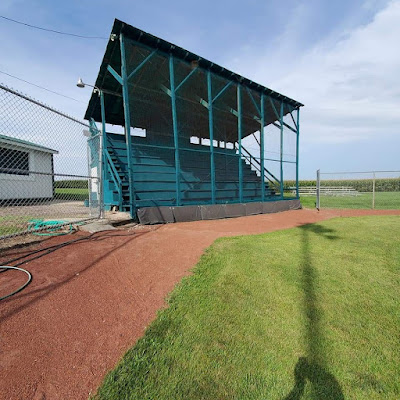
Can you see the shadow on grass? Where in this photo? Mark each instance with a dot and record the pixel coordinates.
(312, 368)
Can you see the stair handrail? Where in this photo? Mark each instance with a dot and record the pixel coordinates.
(115, 177)
(252, 159)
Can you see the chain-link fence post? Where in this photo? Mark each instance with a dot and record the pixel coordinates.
(318, 187)
(373, 190)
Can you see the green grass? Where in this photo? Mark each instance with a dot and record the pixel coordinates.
(71, 194)
(306, 313)
(11, 224)
(383, 201)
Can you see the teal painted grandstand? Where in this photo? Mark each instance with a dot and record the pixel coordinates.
(196, 137)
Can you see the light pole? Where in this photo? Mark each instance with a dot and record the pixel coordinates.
(81, 84)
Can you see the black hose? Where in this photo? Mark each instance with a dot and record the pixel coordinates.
(33, 255)
(45, 251)
(6, 267)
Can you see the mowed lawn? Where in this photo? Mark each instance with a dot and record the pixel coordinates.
(383, 201)
(72, 193)
(12, 224)
(306, 313)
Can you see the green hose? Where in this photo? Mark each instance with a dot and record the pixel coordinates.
(48, 228)
(5, 267)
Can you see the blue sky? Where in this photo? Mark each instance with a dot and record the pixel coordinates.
(339, 58)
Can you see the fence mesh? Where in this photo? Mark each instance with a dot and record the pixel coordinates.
(49, 165)
(360, 190)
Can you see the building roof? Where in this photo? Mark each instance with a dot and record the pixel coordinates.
(142, 116)
(26, 144)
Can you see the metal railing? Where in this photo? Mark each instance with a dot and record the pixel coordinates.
(255, 163)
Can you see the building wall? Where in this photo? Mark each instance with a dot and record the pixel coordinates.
(32, 186)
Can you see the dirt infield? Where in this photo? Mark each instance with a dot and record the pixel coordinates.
(92, 299)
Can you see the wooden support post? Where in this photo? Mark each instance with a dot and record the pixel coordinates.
(373, 191)
(297, 152)
(211, 133)
(281, 149)
(240, 122)
(262, 144)
(127, 115)
(175, 128)
(103, 146)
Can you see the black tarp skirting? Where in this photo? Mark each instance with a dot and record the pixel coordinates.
(163, 215)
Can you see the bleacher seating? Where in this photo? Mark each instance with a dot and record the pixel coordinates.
(154, 174)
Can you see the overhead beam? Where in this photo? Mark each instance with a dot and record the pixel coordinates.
(114, 73)
(294, 123)
(186, 78)
(140, 66)
(275, 124)
(253, 100)
(222, 90)
(289, 127)
(273, 107)
(233, 78)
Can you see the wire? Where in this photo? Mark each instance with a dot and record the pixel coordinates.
(6, 267)
(52, 30)
(40, 87)
(39, 253)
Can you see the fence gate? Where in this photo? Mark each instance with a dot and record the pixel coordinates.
(358, 190)
(49, 167)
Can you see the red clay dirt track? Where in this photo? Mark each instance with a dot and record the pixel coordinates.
(91, 300)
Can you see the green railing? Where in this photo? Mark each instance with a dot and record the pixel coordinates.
(255, 163)
(114, 176)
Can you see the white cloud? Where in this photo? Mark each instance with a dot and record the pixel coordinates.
(350, 88)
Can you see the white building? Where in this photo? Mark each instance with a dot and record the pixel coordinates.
(26, 170)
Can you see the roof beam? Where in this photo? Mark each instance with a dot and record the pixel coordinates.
(254, 102)
(274, 108)
(289, 127)
(141, 64)
(186, 78)
(115, 74)
(294, 122)
(222, 90)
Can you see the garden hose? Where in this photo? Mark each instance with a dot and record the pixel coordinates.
(36, 254)
(33, 256)
(5, 267)
(48, 228)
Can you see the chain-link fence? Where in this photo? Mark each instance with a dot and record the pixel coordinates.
(49, 165)
(359, 190)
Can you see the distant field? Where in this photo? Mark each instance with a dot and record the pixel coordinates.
(383, 201)
(71, 194)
